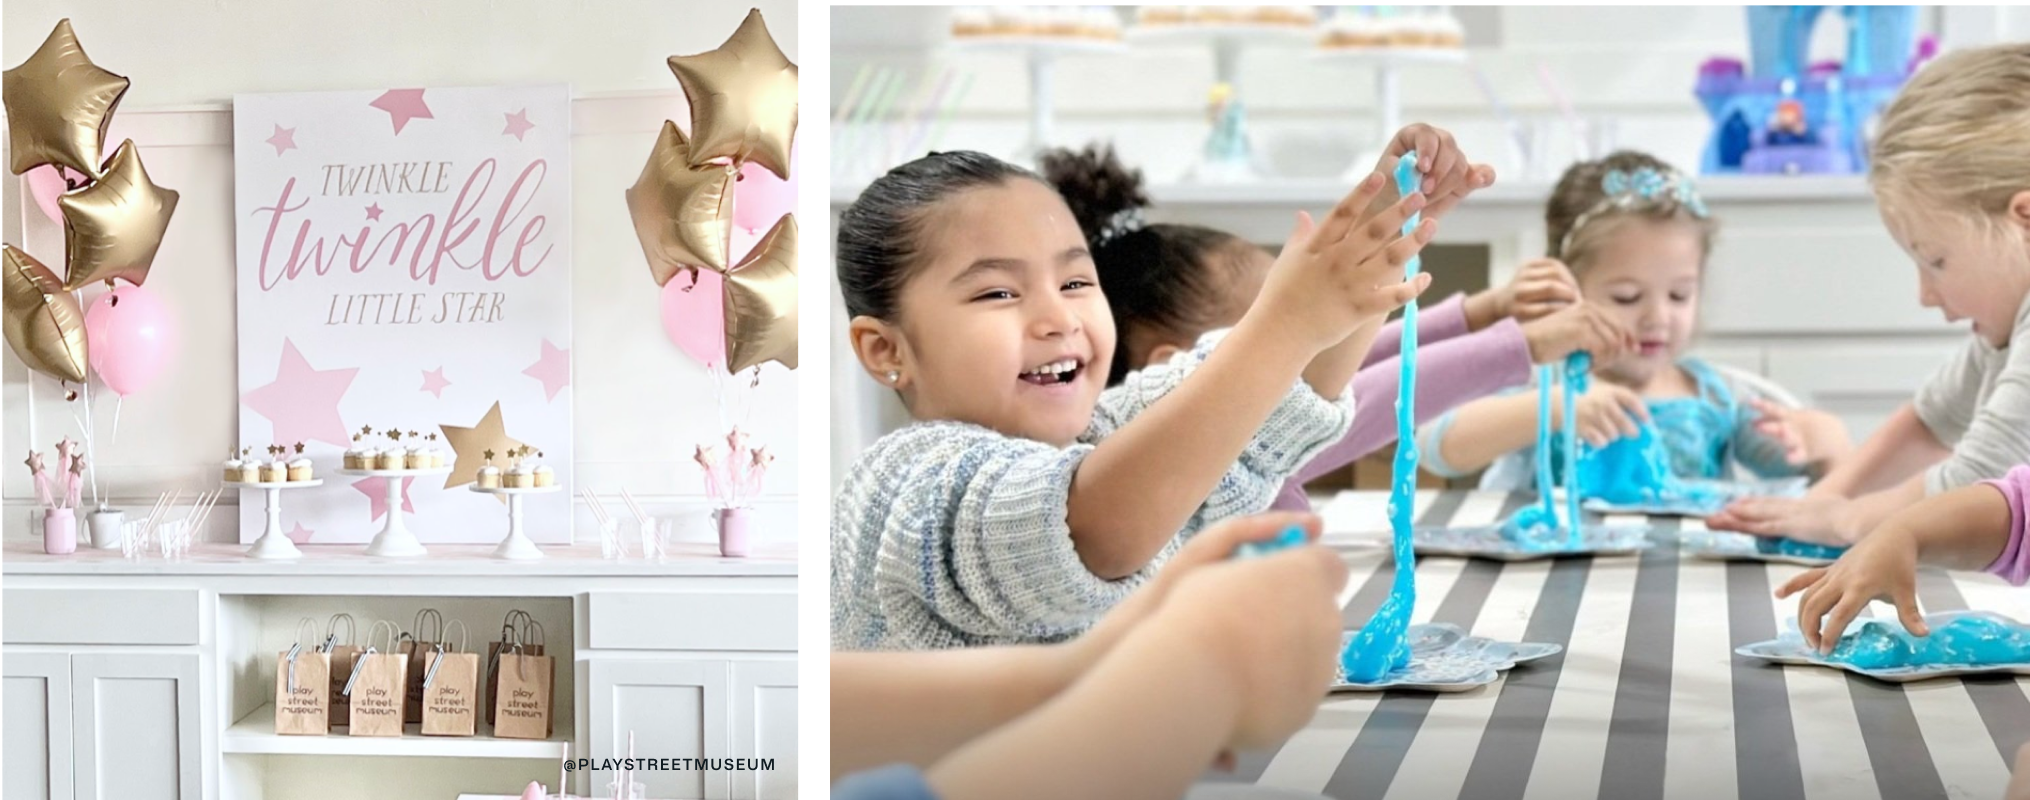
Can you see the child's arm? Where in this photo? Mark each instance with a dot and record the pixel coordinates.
(1902, 447)
(1484, 430)
(1239, 656)
(1975, 527)
(915, 707)
(1140, 484)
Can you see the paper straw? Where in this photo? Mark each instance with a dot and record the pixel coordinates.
(1500, 109)
(926, 112)
(919, 107)
(851, 133)
(634, 507)
(1564, 105)
(949, 110)
(882, 106)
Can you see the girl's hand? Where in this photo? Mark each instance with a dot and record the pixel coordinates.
(1448, 178)
(1346, 271)
(2019, 780)
(1819, 519)
(1881, 567)
(1582, 326)
(1273, 625)
(1608, 412)
(1540, 287)
(1780, 424)
(1211, 546)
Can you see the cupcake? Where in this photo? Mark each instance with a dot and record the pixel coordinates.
(233, 468)
(544, 476)
(415, 458)
(1159, 15)
(489, 477)
(369, 457)
(299, 469)
(971, 21)
(520, 477)
(352, 456)
(274, 470)
(250, 467)
(436, 456)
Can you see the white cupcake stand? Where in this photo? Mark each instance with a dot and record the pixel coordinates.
(1041, 54)
(1387, 63)
(274, 544)
(517, 545)
(1226, 42)
(395, 540)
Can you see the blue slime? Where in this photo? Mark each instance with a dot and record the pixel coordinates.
(1792, 547)
(1530, 523)
(1576, 367)
(1537, 525)
(1965, 641)
(1292, 536)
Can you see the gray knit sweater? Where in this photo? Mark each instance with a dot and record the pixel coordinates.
(947, 534)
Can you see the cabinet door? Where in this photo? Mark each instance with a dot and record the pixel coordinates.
(37, 730)
(764, 727)
(675, 709)
(135, 726)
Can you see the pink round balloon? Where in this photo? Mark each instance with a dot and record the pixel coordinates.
(46, 186)
(761, 198)
(694, 316)
(129, 335)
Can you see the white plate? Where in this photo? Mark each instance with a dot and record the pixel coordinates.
(1791, 649)
(1487, 542)
(1444, 658)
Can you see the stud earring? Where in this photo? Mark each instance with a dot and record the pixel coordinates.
(894, 376)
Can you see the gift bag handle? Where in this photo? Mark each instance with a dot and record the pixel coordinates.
(430, 676)
(331, 631)
(296, 649)
(538, 639)
(425, 616)
(395, 635)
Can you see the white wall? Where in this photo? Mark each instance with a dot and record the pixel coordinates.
(640, 404)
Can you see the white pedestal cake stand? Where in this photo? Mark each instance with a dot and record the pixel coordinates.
(517, 545)
(395, 539)
(274, 544)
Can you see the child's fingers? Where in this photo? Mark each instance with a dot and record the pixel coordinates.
(1347, 212)
(1379, 231)
(1906, 610)
(1447, 174)
(1842, 615)
(1399, 252)
(1800, 582)
(1633, 405)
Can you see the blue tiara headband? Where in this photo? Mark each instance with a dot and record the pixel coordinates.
(1644, 188)
(1122, 223)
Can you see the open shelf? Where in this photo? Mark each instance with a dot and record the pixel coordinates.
(255, 734)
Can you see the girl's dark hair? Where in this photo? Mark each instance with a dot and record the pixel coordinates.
(1154, 276)
(880, 233)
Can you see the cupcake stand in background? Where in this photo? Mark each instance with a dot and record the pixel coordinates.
(274, 544)
(1226, 158)
(1041, 54)
(395, 538)
(517, 545)
(1387, 64)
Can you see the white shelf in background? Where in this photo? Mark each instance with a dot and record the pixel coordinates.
(1322, 193)
(255, 734)
(1190, 33)
(1045, 45)
(1392, 55)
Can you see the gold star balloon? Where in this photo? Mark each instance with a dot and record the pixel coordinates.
(682, 215)
(113, 227)
(761, 301)
(43, 323)
(58, 104)
(469, 445)
(743, 99)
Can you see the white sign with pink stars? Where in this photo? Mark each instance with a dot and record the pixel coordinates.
(405, 264)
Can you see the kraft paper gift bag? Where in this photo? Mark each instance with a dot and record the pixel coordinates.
(517, 628)
(421, 637)
(450, 688)
(377, 687)
(302, 683)
(523, 709)
(343, 654)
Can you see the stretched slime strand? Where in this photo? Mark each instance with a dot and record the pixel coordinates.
(1576, 366)
(1530, 523)
(1381, 646)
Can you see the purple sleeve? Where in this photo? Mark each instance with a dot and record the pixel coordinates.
(2014, 563)
(1446, 320)
(1448, 373)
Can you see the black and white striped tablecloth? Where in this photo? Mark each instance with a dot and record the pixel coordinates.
(1648, 700)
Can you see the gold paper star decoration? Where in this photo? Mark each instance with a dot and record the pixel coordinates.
(743, 99)
(113, 227)
(761, 301)
(44, 324)
(681, 214)
(58, 104)
(468, 445)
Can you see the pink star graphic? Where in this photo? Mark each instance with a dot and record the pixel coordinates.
(553, 369)
(434, 382)
(303, 402)
(376, 490)
(374, 212)
(300, 535)
(402, 105)
(518, 124)
(284, 139)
